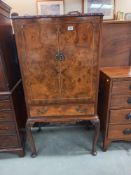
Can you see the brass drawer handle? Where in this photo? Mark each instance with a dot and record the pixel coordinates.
(78, 109)
(128, 117)
(127, 132)
(42, 111)
(130, 87)
(129, 101)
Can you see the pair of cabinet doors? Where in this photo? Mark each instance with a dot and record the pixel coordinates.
(59, 58)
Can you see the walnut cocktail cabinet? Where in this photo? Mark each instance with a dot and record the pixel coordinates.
(115, 104)
(59, 60)
(12, 109)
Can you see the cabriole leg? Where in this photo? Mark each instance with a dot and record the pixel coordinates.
(96, 124)
(31, 140)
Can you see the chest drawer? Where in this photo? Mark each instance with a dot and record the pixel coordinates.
(120, 116)
(7, 128)
(119, 132)
(8, 141)
(121, 101)
(121, 87)
(62, 110)
(5, 105)
(6, 116)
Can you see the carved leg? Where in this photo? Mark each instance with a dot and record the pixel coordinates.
(96, 123)
(106, 144)
(31, 140)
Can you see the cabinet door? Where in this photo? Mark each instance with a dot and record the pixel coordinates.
(79, 69)
(39, 66)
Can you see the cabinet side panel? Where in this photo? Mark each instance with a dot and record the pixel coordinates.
(103, 102)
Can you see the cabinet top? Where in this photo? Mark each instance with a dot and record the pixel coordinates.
(58, 16)
(117, 72)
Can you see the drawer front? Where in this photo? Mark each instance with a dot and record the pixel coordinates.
(5, 105)
(121, 101)
(6, 116)
(7, 128)
(62, 110)
(8, 141)
(119, 132)
(121, 87)
(120, 116)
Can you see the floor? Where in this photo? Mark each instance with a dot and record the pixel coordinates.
(66, 151)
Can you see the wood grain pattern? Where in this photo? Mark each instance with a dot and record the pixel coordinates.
(59, 60)
(62, 110)
(6, 128)
(117, 132)
(8, 141)
(120, 101)
(116, 44)
(121, 87)
(120, 116)
(5, 105)
(6, 116)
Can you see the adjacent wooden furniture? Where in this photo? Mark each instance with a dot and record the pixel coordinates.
(12, 108)
(59, 60)
(116, 44)
(114, 104)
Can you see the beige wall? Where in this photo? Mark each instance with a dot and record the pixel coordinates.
(24, 7)
(123, 5)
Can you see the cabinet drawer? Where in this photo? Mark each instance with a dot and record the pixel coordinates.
(8, 141)
(119, 131)
(120, 116)
(62, 110)
(121, 101)
(121, 87)
(5, 105)
(6, 116)
(7, 128)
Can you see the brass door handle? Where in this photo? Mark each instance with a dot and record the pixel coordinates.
(60, 56)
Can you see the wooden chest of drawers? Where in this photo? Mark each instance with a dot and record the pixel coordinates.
(115, 104)
(12, 104)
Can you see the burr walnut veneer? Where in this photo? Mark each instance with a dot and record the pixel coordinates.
(59, 60)
(114, 107)
(12, 109)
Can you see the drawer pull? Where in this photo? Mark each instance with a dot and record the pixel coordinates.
(84, 110)
(129, 101)
(128, 117)
(130, 87)
(127, 132)
(42, 111)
